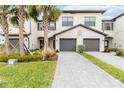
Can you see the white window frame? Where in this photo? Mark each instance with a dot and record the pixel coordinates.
(90, 21)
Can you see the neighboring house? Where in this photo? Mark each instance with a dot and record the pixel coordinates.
(115, 29)
(73, 28)
(14, 35)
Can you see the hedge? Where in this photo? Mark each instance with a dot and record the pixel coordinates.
(4, 58)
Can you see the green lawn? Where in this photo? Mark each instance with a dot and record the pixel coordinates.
(27, 75)
(115, 72)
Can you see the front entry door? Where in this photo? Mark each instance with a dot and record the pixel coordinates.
(41, 43)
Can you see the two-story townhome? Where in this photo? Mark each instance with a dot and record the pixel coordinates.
(73, 28)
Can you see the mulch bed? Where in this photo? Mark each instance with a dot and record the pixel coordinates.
(54, 58)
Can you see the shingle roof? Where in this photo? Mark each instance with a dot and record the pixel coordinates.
(118, 16)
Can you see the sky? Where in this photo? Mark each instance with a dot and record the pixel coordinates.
(112, 10)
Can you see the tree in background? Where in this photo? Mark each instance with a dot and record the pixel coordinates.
(5, 11)
(18, 18)
(50, 13)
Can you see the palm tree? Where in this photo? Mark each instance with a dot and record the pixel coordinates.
(5, 10)
(50, 13)
(18, 18)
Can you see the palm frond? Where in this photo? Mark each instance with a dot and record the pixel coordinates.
(14, 20)
(33, 11)
(26, 15)
(54, 13)
(5, 9)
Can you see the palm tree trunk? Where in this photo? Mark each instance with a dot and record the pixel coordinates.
(45, 29)
(6, 32)
(21, 21)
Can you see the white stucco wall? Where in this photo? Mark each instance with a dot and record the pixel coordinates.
(78, 18)
(34, 43)
(118, 40)
(85, 33)
(110, 33)
(15, 29)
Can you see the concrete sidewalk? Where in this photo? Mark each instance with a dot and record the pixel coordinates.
(110, 59)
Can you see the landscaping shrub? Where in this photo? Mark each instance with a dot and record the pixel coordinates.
(4, 58)
(14, 51)
(2, 50)
(114, 49)
(37, 49)
(81, 48)
(119, 52)
(37, 52)
(49, 53)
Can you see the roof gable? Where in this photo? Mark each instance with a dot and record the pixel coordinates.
(97, 31)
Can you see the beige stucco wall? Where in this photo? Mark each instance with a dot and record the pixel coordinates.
(79, 33)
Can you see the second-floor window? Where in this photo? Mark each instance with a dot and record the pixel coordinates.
(90, 21)
(107, 26)
(39, 27)
(67, 21)
(52, 26)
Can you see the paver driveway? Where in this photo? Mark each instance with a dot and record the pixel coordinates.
(110, 59)
(75, 71)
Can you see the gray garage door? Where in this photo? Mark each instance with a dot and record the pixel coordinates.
(67, 44)
(91, 44)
